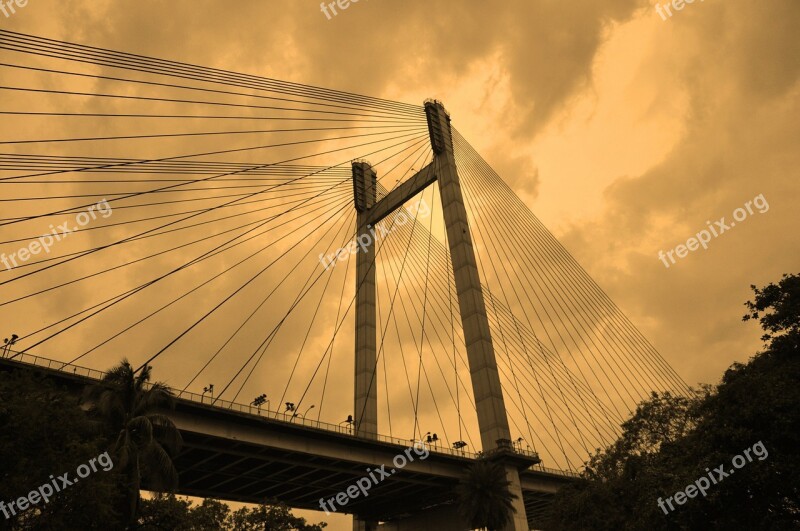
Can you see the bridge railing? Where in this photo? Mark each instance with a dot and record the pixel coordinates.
(30, 359)
(250, 409)
(294, 418)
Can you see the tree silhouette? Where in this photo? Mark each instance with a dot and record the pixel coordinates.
(128, 404)
(672, 441)
(484, 500)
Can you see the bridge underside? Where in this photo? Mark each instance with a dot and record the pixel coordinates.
(236, 467)
(212, 467)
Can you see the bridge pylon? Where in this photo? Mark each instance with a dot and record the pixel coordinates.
(366, 382)
(484, 374)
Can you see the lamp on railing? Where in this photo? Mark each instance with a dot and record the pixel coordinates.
(289, 407)
(208, 389)
(8, 343)
(349, 420)
(259, 401)
(432, 439)
(303, 415)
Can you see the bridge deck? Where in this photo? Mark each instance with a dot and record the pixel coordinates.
(237, 452)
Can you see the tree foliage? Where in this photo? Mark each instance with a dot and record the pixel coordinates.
(169, 512)
(484, 499)
(671, 441)
(44, 433)
(777, 308)
(145, 439)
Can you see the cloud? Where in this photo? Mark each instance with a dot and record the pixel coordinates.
(734, 62)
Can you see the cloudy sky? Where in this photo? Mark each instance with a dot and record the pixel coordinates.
(625, 132)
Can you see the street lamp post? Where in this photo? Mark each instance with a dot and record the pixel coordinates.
(259, 401)
(8, 343)
(208, 389)
(303, 415)
(349, 420)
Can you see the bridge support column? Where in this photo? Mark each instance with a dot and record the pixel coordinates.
(491, 409)
(520, 518)
(365, 414)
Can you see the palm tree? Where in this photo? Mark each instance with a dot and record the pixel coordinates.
(127, 403)
(483, 496)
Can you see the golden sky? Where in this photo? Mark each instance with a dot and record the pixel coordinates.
(623, 132)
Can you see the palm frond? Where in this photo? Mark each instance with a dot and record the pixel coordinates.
(484, 499)
(142, 378)
(110, 408)
(119, 375)
(166, 433)
(141, 431)
(158, 396)
(124, 449)
(159, 470)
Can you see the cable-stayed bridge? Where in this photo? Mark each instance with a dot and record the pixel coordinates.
(351, 263)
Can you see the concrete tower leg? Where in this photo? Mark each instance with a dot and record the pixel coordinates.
(365, 412)
(492, 418)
